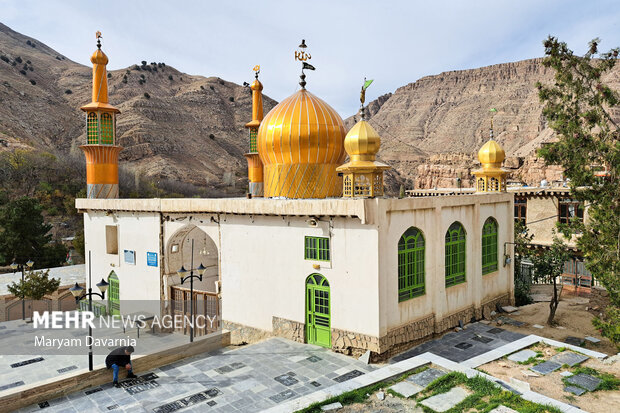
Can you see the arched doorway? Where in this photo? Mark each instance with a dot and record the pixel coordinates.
(318, 323)
(205, 298)
(114, 302)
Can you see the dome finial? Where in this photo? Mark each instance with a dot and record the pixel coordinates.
(301, 55)
(493, 112)
(363, 96)
(98, 36)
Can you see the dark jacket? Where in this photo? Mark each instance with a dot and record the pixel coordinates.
(117, 357)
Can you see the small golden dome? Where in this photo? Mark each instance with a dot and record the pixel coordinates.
(99, 58)
(491, 155)
(362, 142)
(256, 85)
(301, 142)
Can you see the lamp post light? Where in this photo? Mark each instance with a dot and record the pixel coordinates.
(20, 267)
(184, 277)
(78, 292)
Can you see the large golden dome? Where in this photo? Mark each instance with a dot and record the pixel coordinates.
(300, 143)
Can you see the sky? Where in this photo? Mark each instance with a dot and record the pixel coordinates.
(392, 42)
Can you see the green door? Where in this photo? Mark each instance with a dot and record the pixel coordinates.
(317, 311)
(114, 302)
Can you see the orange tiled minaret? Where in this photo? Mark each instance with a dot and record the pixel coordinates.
(255, 166)
(101, 150)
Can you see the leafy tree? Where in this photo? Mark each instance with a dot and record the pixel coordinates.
(522, 281)
(35, 286)
(548, 266)
(578, 107)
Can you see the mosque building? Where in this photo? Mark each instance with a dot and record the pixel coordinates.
(316, 253)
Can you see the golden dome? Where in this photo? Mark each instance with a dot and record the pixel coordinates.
(491, 155)
(301, 142)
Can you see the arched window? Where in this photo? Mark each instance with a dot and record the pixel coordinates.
(92, 128)
(489, 246)
(347, 186)
(481, 184)
(107, 129)
(411, 264)
(455, 254)
(494, 185)
(362, 186)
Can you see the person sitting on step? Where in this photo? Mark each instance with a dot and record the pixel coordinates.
(120, 357)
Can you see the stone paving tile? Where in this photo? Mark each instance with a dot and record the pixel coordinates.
(468, 342)
(521, 356)
(546, 367)
(570, 358)
(423, 379)
(446, 401)
(585, 381)
(575, 390)
(246, 383)
(406, 389)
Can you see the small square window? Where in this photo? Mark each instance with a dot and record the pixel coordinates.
(316, 248)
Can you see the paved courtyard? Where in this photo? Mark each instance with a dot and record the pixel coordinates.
(477, 339)
(247, 379)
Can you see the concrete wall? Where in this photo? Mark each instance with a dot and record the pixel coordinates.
(137, 231)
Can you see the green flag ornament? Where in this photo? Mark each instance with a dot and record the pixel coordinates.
(367, 83)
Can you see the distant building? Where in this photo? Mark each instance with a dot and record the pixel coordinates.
(318, 254)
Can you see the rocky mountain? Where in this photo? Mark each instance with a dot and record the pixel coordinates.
(172, 125)
(431, 129)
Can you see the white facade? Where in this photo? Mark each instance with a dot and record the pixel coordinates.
(255, 248)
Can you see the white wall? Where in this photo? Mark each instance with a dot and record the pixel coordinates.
(433, 216)
(137, 231)
(263, 270)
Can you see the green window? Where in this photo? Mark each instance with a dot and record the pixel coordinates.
(253, 133)
(411, 265)
(107, 128)
(455, 254)
(489, 246)
(92, 128)
(316, 248)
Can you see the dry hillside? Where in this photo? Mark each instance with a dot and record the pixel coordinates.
(190, 128)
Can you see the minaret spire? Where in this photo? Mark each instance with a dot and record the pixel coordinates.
(255, 166)
(101, 150)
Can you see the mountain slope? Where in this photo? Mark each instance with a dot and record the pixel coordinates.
(172, 125)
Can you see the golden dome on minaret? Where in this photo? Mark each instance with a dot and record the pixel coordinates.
(491, 155)
(491, 177)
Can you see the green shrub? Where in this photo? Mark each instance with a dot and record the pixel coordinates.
(32, 82)
(146, 95)
(232, 99)
(68, 92)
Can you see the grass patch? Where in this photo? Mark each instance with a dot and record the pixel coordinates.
(360, 395)
(485, 396)
(560, 349)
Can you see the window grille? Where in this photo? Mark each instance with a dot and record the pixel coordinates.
(92, 128)
(316, 248)
(411, 270)
(455, 254)
(489, 246)
(107, 129)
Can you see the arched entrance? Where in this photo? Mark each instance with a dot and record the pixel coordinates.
(318, 322)
(114, 302)
(205, 299)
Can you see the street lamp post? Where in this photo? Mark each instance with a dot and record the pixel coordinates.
(184, 277)
(20, 267)
(78, 293)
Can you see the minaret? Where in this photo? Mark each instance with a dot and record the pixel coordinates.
(363, 174)
(101, 150)
(255, 166)
(492, 177)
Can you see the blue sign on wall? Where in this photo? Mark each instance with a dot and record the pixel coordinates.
(151, 259)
